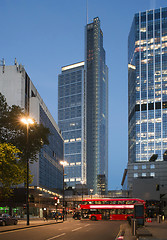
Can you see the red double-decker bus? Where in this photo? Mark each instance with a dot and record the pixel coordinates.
(109, 209)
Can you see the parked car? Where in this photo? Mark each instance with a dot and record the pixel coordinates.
(6, 219)
(77, 216)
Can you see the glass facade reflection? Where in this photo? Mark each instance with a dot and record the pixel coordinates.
(96, 109)
(50, 170)
(71, 121)
(147, 86)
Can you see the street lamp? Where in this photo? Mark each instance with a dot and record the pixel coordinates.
(82, 182)
(27, 121)
(63, 163)
(91, 190)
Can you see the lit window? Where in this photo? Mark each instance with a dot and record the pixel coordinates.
(135, 175)
(66, 180)
(152, 166)
(72, 179)
(143, 174)
(143, 166)
(152, 174)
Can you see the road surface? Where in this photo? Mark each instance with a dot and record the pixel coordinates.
(68, 230)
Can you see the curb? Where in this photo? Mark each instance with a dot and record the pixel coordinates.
(30, 226)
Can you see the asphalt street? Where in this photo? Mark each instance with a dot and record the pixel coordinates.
(69, 230)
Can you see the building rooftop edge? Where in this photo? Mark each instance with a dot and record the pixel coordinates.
(149, 10)
(74, 65)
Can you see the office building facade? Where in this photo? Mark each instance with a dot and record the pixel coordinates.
(147, 97)
(18, 89)
(71, 121)
(96, 109)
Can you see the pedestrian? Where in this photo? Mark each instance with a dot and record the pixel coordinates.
(45, 216)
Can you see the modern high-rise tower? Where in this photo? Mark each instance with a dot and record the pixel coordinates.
(147, 96)
(71, 120)
(96, 109)
(83, 115)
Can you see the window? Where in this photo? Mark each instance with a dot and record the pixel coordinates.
(152, 166)
(135, 175)
(143, 174)
(143, 166)
(152, 174)
(135, 167)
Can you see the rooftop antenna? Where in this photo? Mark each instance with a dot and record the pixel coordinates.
(86, 12)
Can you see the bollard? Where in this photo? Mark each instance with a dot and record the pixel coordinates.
(159, 218)
(134, 226)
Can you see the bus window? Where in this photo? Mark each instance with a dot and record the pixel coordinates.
(129, 202)
(129, 211)
(94, 211)
(113, 211)
(121, 211)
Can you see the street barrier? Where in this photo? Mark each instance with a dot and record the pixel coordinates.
(134, 226)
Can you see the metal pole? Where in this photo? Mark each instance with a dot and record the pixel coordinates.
(63, 192)
(27, 189)
(82, 191)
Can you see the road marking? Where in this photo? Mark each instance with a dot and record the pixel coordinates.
(23, 229)
(56, 236)
(118, 235)
(86, 225)
(76, 229)
(18, 230)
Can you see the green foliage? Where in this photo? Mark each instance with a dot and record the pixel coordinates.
(15, 150)
(12, 171)
(12, 130)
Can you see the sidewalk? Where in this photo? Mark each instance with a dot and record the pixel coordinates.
(33, 223)
(125, 232)
(151, 231)
(157, 230)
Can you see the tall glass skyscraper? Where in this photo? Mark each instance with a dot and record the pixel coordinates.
(147, 95)
(96, 109)
(71, 121)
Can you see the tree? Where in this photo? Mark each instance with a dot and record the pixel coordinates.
(14, 132)
(12, 170)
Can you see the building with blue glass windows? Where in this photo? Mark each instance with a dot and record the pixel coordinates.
(96, 109)
(147, 97)
(71, 121)
(18, 89)
(83, 115)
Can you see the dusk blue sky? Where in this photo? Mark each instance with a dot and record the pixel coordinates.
(45, 35)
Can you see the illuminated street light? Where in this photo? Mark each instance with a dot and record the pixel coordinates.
(63, 163)
(91, 190)
(82, 182)
(27, 121)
